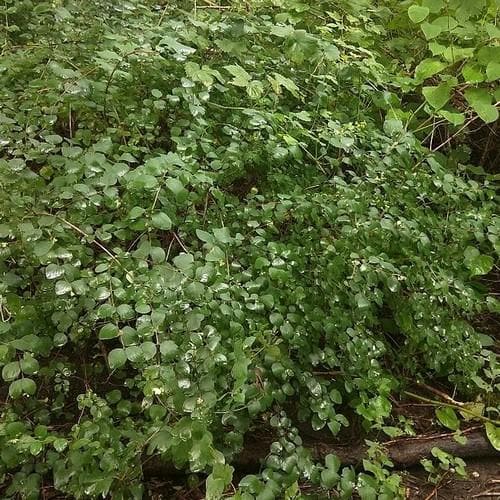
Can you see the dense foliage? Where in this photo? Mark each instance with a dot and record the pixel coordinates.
(215, 219)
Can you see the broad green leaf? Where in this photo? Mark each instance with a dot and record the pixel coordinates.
(168, 349)
(329, 478)
(472, 73)
(204, 236)
(472, 410)
(480, 265)
(134, 353)
(117, 358)
(434, 6)
(162, 221)
(437, 96)
(29, 365)
(217, 481)
(60, 444)
(493, 433)
(148, 350)
(448, 418)
(454, 118)
(255, 89)
(480, 101)
(183, 261)
(22, 386)
(493, 71)
(109, 331)
(430, 30)
(223, 235)
(215, 255)
(11, 371)
(176, 186)
(428, 68)
(241, 77)
(42, 247)
(62, 288)
(417, 13)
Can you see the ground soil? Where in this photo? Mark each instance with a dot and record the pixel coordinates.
(483, 483)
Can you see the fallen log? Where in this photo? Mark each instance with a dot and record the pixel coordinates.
(403, 452)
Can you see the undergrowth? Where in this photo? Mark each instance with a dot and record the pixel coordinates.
(220, 219)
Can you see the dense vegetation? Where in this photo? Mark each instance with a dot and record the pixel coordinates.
(218, 218)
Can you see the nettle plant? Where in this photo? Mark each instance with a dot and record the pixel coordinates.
(198, 226)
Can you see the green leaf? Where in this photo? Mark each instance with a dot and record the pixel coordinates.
(29, 365)
(148, 350)
(169, 349)
(62, 287)
(217, 481)
(437, 96)
(204, 236)
(183, 261)
(134, 353)
(241, 77)
(430, 30)
(434, 6)
(329, 478)
(472, 73)
(162, 221)
(117, 358)
(255, 89)
(448, 418)
(60, 444)
(480, 101)
(22, 386)
(428, 68)
(480, 265)
(177, 188)
(454, 118)
(417, 13)
(215, 255)
(223, 235)
(42, 247)
(493, 71)
(493, 433)
(11, 371)
(109, 331)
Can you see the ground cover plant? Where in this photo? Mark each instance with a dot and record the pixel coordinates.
(229, 222)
